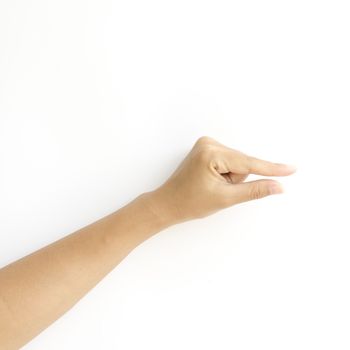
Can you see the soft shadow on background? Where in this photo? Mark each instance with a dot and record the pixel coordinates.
(100, 101)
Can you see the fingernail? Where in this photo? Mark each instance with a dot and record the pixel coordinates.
(275, 188)
(291, 167)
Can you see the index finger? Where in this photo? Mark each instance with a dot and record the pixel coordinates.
(263, 167)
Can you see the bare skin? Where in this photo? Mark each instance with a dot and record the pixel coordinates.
(39, 288)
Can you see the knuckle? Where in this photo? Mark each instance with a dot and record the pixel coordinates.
(255, 191)
(204, 140)
(248, 161)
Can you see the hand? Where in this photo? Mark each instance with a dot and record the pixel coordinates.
(210, 178)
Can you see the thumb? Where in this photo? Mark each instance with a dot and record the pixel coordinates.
(257, 189)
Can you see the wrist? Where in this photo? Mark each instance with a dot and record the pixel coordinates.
(160, 208)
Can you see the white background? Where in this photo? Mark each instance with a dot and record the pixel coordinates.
(100, 101)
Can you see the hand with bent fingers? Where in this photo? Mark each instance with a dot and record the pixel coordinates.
(211, 177)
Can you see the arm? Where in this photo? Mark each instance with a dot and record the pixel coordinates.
(39, 288)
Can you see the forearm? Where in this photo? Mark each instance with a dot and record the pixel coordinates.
(39, 288)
